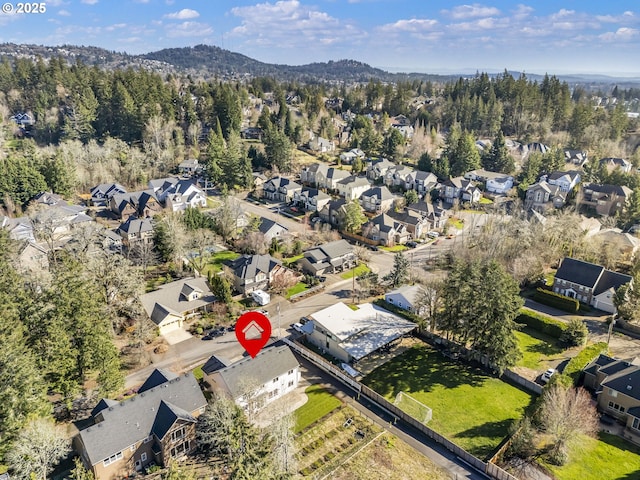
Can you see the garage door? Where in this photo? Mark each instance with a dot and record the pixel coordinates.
(170, 327)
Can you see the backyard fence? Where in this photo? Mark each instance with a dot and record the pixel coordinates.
(490, 469)
(306, 293)
(523, 382)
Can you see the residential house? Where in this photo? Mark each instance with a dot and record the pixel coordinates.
(535, 147)
(377, 200)
(310, 199)
(416, 224)
(331, 177)
(353, 187)
(349, 157)
(542, 196)
(20, 228)
(350, 335)
(589, 283)
(141, 203)
(309, 174)
(615, 240)
(620, 164)
(406, 297)
(253, 383)
(385, 230)
(421, 182)
(33, 257)
(378, 168)
(271, 229)
(565, 180)
(172, 303)
(321, 145)
(606, 200)
(135, 231)
(254, 272)
(331, 257)
(498, 183)
(101, 194)
(434, 214)
(49, 199)
(334, 213)
(616, 384)
(189, 167)
(280, 189)
(183, 195)
(576, 157)
(399, 176)
(162, 184)
(111, 240)
(156, 426)
(459, 188)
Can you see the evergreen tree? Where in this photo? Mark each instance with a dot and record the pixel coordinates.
(497, 159)
(465, 157)
(400, 272)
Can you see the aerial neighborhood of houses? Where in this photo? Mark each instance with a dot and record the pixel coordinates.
(382, 277)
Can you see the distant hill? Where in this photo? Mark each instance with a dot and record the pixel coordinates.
(209, 61)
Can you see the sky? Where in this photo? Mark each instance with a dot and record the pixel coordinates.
(437, 36)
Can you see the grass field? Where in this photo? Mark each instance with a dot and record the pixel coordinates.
(359, 270)
(320, 403)
(395, 248)
(607, 456)
(198, 373)
(297, 288)
(216, 261)
(471, 408)
(537, 349)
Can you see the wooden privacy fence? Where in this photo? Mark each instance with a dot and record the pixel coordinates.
(490, 469)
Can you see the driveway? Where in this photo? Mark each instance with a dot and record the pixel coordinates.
(177, 336)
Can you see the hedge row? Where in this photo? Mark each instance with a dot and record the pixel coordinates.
(556, 300)
(381, 302)
(541, 323)
(572, 371)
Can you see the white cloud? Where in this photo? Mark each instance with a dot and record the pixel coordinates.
(64, 13)
(115, 26)
(522, 11)
(562, 13)
(471, 11)
(189, 29)
(184, 14)
(623, 34)
(410, 25)
(89, 2)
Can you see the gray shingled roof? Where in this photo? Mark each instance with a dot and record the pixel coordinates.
(611, 279)
(577, 271)
(267, 365)
(626, 383)
(171, 298)
(157, 377)
(133, 420)
(247, 266)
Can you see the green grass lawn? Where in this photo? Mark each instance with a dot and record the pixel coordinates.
(216, 261)
(395, 248)
(297, 288)
(537, 349)
(359, 270)
(198, 373)
(607, 456)
(319, 404)
(456, 223)
(288, 261)
(470, 408)
(485, 201)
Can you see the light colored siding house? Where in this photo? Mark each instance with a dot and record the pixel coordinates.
(377, 200)
(189, 167)
(331, 177)
(386, 231)
(309, 174)
(321, 145)
(173, 302)
(184, 195)
(398, 176)
(406, 297)
(334, 212)
(498, 183)
(542, 196)
(612, 164)
(281, 189)
(565, 180)
(349, 157)
(353, 187)
(156, 426)
(331, 257)
(459, 188)
(255, 382)
(421, 182)
(311, 199)
(415, 223)
(378, 168)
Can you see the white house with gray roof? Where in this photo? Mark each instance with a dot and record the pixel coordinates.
(155, 426)
(254, 382)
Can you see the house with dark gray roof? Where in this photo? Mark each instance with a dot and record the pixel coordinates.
(280, 189)
(385, 230)
(254, 382)
(136, 230)
(377, 199)
(271, 229)
(254, 272)
(607, 200)
(155, 426)
(616, 384)
(143, 203)
(589, 283)
(331, 257)
(310, 199)
(101, 194)
(173, 302)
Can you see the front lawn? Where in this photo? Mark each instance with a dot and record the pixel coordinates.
(287, 262)
(297, 288)
(456, 223)
(607, 456)
(359, 270)
(320, 402)
(485, 201)
(470, 407)
(395, 248)
(198, 373)
(217, 260)
(537, 349)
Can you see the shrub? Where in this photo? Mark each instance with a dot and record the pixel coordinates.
(381, 302)
(574, 368)
(556, 300)
(575, 333)
(542, 323)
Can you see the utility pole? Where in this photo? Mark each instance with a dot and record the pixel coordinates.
(611, 324)
(279, 321)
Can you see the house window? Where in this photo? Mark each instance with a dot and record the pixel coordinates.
(615, 406)
(143, 457)
(290, 372)
(180, 449)
(275, 379)
(636, 424)
(112, 459)
(178, 434)
(290, 384)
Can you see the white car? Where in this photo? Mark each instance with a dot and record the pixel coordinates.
(433, 234)
(546, 376)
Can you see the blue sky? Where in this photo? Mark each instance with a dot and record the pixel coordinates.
(564, 36)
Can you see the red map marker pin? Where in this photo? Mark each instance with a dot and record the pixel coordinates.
(253, 330)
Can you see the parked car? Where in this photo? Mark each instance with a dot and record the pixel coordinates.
(298, 327)
(433, 234)
(411, 244)
(374, 248)
(546, 376)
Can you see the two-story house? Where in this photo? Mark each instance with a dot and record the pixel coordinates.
(183, 195)
(620, 164)
(385, 230)
(142, 203)
(416, 224)
(398, 176)
(459, 188)
(334, 213)
(280, 189)
(542, 196)
(497, 183)
(309, 174)
(606, 200)
(576, 157)
(589, 283)
(135, 231)
(101, 194)
(378, 168)
(353, 187)
(349, 157)
(253, 272)
(567, 181)
(421, 182)
(156, 426)
(331, 177)
(310, 199)
(321, 145)
(377, 200)
(331, 257)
